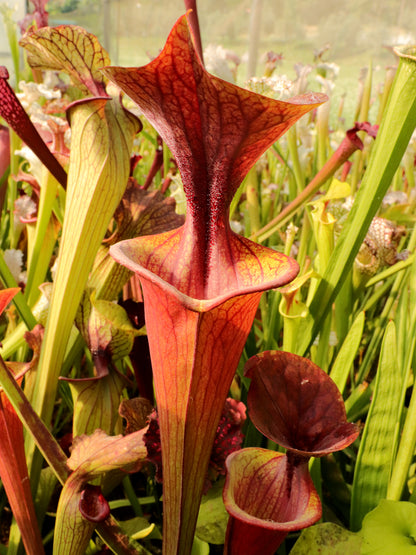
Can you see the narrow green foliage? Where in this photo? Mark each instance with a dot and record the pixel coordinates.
(398, 124)
(341, 369)
(408, 436)
(377, 448)
(39, 256)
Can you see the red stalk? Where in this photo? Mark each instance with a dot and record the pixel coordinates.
(201, 282)
(13, 468)
(4, 161)
(4, 151)
(14, 115)
(14, 475)
(194, 25)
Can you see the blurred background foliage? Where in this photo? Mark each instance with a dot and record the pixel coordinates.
(353, 27)
(351, 34)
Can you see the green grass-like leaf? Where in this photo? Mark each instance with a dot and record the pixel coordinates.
(397, 126)
(377, 448)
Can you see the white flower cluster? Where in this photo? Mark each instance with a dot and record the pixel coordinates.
(221, 62)
(14, 261)
(24, 208)
(279, 87)
(31, 99)
(33, 92)
(35, 165)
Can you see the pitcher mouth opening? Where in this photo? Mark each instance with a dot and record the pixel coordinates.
(122, 253)
(408, 51)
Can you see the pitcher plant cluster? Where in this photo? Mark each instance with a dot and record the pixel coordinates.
(203, 286)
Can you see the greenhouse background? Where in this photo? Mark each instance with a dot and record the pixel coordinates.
(129, 28)
(352, 28)
(350, 35)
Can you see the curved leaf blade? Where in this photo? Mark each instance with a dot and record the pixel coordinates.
(71, 49)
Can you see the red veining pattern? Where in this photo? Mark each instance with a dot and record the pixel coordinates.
(71, 49)
(297, 405)
(216, 131)
(201, 282)
(267, 496)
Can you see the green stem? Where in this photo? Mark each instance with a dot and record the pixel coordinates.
(405, 453)
(166, 159)
(366, 98)
(344, 310)
(131, 495)
(379, 293)
(390, 73)
(408, 162)
(305, 239)
(356, 171)
(323, 348)
(378, 333)
(407, 443)
(274, 321)
(39, 256)
(41, 435)
(391, 270)
(292, 142)
(362, 116)
(252, 197)
(323, 133)
(19, 301)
